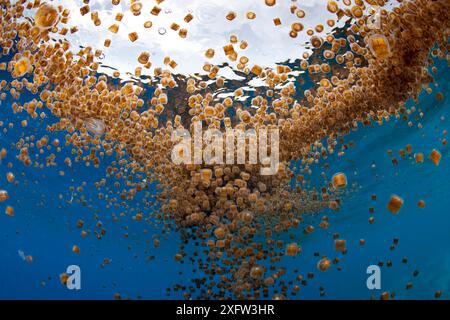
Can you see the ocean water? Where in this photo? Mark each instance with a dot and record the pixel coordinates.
(124, 260)
(44, 225)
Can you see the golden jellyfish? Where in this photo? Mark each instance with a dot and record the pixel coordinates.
(46, 16)
(339, 180)
(332, 6)
(9, 211)
(421, 204)
(133, 36)
(231, 16)
(271, 3)
(188, 18)
(155, 10)
(340, 245)
(292, 249)
(76, 249)
(435, 157)
(22, 67)
(114, 28)
(418, 157)
(324, 264)
(379, 46)
(251, 15)
(178, 257)
(10, 177)
(219, 233)
(316, 41)
(385, 296)
(29, 259)
(300, 14)
(144, 57)
(136, 7)
(395, 204)
(63, 278)
(228, 49)
(409, 148)
(256, 272)
(209, 53)
(357, 11)
(3, 195)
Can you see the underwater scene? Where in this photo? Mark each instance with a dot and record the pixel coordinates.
(239, 149)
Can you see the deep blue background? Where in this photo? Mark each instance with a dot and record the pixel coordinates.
(44, 226)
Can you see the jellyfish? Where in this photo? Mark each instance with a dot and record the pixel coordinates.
(95, 126)
(379, 46)
(46, 16)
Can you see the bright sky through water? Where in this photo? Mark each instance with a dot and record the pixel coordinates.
(267, 43)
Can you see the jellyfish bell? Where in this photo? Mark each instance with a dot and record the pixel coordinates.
(292, 249)
(63, 278)
(339, 180)
(22, 67)
(256, 272)
(3, 195)
(323, 264)
(95, 126)
(395, 204)
(46, 16)
(379, 46)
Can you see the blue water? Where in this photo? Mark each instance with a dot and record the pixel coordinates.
(44, 225)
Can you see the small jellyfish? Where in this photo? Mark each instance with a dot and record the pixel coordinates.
(395, 204)
(256, 272)
(231, 16)
(22, 67)
(95, 126)
(63, 277)
(9, 211)
(162, 31)
(435, 156)
(46, 16)
(418, 157)
(133, 36)
(332, 6)
(421, 204)
(379, 46)
(76, 249)
(340, 245)
(339, 180)
(10, 177)
(292, 249)
(3, 195)
(219, 233)
(385, 296)
(324, 264)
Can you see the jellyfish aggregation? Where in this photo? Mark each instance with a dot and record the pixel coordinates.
(235, 217)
